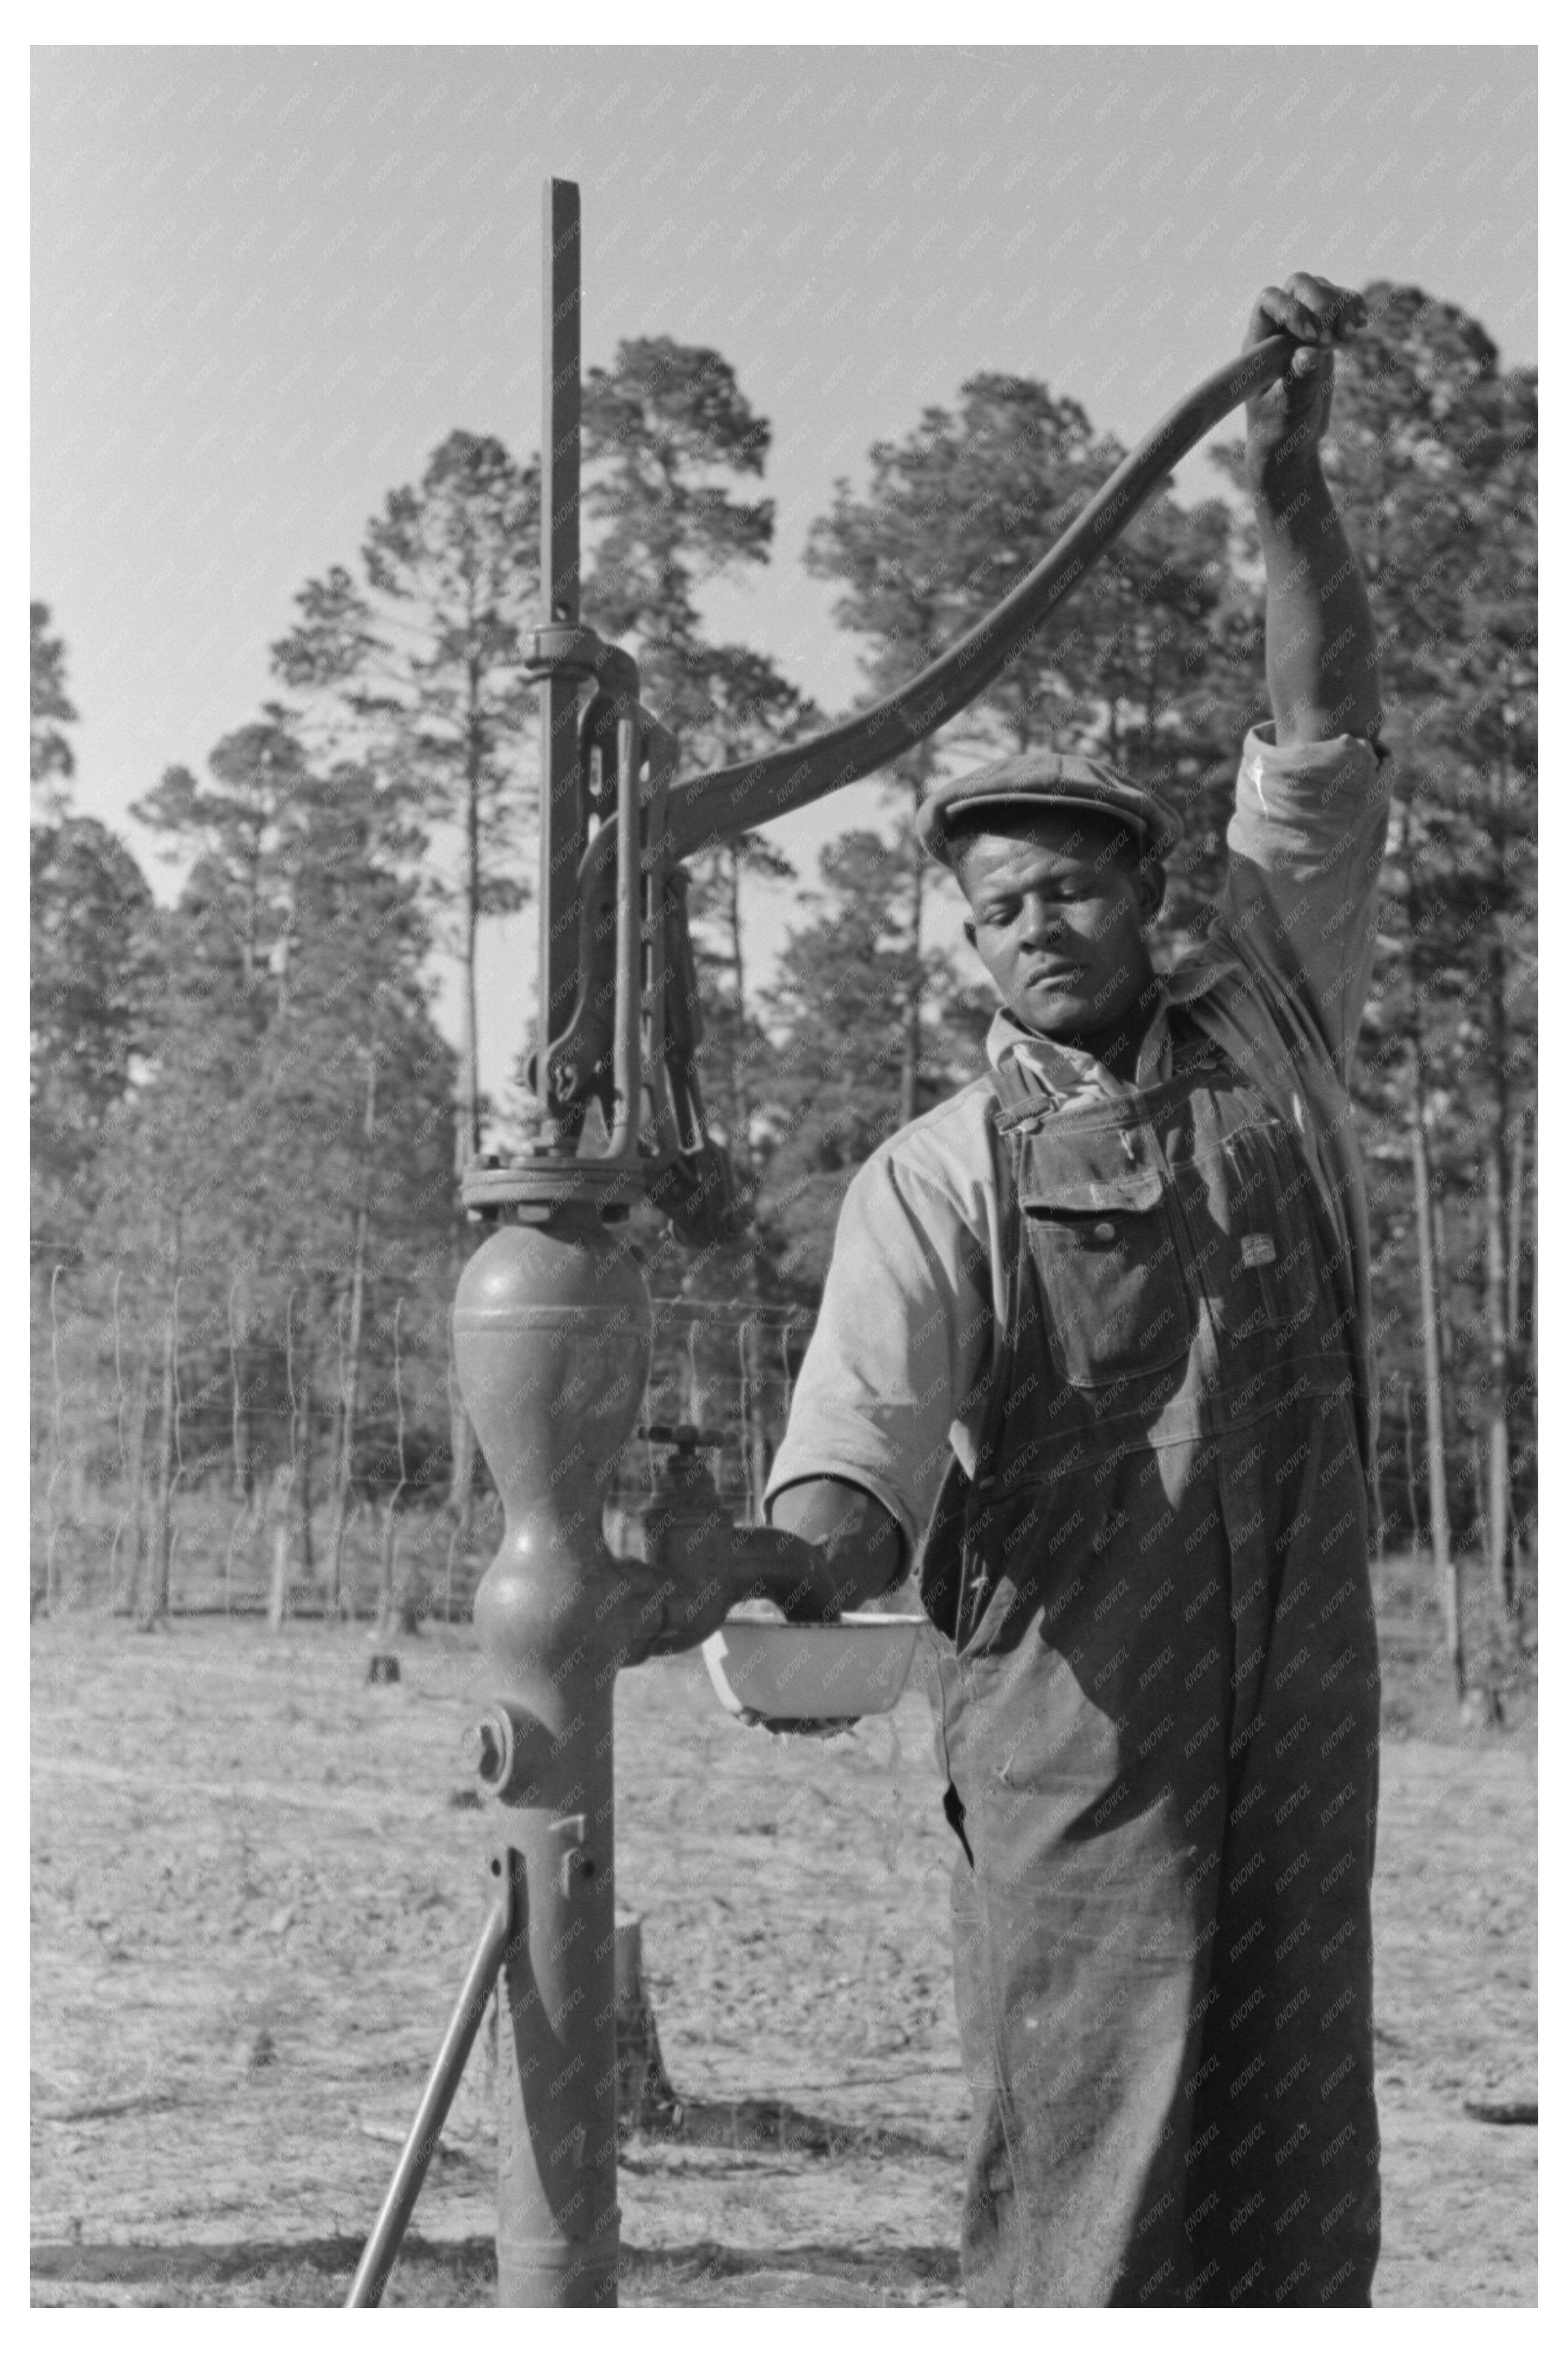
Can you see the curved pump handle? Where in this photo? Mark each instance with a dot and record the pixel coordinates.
(711, 809)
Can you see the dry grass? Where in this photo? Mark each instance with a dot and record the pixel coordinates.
(255, 1889)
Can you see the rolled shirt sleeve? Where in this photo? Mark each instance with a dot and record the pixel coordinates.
(893, 1378)
(1300, 900)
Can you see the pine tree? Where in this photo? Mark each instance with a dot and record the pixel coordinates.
(91, 919)
(256, 1217)
(1432, 458)
(417, 666)
(50, 759)
(667, 432)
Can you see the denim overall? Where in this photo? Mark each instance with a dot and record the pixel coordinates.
(1160, 1718)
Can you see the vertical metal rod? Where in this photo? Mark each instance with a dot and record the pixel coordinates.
(560, 825)
(628, 942)
(661, 768)
(380, 2248)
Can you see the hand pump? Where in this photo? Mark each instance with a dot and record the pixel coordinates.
(552, 1323)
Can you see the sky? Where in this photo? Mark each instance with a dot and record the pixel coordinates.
(266, 283)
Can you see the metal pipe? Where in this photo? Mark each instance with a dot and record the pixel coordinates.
(380, 2248)
(561, 810)
(663, 753)
(628, 943)
(551, 1330)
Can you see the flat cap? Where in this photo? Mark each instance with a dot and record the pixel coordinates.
(1063, 780)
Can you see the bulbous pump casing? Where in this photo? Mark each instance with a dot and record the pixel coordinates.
(552, 1329)
(552, 1332)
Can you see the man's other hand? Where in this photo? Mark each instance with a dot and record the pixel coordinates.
(1286, 423)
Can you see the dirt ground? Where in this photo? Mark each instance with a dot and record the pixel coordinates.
(256, 1881)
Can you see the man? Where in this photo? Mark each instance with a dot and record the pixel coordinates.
(1097, 1327)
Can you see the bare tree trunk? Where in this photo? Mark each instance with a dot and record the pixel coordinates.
(348, 1402)
(1410, 1468)
(1518, 1157)
(306, 1460)
(1499, 1351)
(239, 1437)
(386, 1593)
(1479, 1509)
(1518, 1542)
(1536, 1274)
(50, 1597)
(1500, 1467)
(279, 1507)
(387, 1599)
(473, 893)
(168, 1451)
(461, 1493)
(1534, 1361)
(1440, 1278)
(1442, 1561)
(137, 1476)
(118, 1379)
(332, 1581)
(297, 1490)
(279, 1511)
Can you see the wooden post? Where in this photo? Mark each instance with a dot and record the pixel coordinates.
(645, 2098)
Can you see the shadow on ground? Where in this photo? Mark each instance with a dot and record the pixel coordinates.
(463, 2271)
(771, 2126)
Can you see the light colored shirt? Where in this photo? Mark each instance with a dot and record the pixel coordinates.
(895, 1375)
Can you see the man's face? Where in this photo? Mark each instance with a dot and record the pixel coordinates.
(1057, 920)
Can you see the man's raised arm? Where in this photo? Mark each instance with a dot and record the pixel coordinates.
(1321, 646)
(1298, 906)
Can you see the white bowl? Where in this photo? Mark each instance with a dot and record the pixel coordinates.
(813, 1674)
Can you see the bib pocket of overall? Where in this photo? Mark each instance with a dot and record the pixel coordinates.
(1104, 1241)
